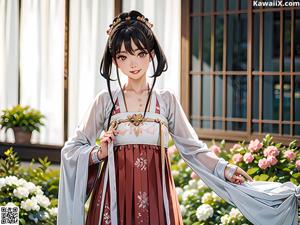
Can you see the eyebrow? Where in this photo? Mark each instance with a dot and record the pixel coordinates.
(133, 50)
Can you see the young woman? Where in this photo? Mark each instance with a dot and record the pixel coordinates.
(129, 173)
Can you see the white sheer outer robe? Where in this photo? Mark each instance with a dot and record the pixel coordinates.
(261, 202)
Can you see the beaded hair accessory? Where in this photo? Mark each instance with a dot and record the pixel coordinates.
(118, 20)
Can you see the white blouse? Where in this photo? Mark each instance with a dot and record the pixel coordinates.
(260, 202)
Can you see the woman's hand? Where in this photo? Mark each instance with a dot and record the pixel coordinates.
(236, 174)
(104, 141)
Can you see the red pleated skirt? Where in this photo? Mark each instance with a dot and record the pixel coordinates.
(139, 189)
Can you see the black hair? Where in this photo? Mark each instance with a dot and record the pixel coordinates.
(123, 30)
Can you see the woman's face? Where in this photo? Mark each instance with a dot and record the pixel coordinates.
(133, 66)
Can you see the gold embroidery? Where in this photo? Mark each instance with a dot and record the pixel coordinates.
(136, 119)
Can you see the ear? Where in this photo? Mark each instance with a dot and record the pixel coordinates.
(152, 54)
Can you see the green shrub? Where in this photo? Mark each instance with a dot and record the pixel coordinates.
(33, 190)
(26, 118)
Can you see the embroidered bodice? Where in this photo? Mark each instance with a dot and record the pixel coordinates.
(135, 132)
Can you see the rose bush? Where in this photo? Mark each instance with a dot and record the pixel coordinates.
(263, 160)
(268, 161)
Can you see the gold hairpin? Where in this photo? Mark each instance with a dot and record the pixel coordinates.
(118, 20)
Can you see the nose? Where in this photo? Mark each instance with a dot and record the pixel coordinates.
(133, 63)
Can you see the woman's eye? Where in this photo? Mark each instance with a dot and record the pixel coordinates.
(122, 58)
(142, 54)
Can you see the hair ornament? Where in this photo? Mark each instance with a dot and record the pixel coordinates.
(128, 18)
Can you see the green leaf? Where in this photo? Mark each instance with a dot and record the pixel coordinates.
(296, 175)
(22, 221)
(263, 177)
(272, 179)
(256, 178)
(293, 180)
(252, 170)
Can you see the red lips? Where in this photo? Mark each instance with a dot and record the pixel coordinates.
(135, 71)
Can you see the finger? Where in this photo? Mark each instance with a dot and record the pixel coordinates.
(106, 139)
(238, 179)
(241, 179)
(235, 181)
(246, 176)
(235, 177)
(108, 135)
(242, 172)
(111, 136)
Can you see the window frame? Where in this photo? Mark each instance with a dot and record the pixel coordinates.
(186, 73)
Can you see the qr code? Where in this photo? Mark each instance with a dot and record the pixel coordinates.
(9, 215)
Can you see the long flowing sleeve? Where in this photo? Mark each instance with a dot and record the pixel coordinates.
(260, 202)
(186, 140)
(74, 163)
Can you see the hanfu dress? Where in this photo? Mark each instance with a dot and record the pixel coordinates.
(134, 184)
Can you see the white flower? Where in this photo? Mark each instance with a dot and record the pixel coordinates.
(179, 191)
(2, 182)
(45, 216)
(11, 180)
(30, 187)
(188, 193)
(236, 214)
(43, 200)
(181, 163)
(207, 198)
(38, 190)
(53, 211)
(186, 187)
(216, 197)
(175, 173)
(182, 210)
(188, 169)
(21, 182)
(225, 219)
(193, 184)
(201, 184)
(204, 212)
(21, 192)
(30, 204)
(10, 204)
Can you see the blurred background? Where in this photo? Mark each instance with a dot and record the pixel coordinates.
(235, 66)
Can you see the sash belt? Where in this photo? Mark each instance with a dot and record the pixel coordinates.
(111, 175)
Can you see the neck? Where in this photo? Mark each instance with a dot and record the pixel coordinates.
(137, 86)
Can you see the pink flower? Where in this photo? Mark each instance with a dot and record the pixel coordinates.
(298, 164)
(290, 155)
(237, 158)
(215, 149)
(172, 149)
(254, 145)
(272, 160)
(263, 163)
(271, 151)
(194, 175)
(248, 158)
(236, 146)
